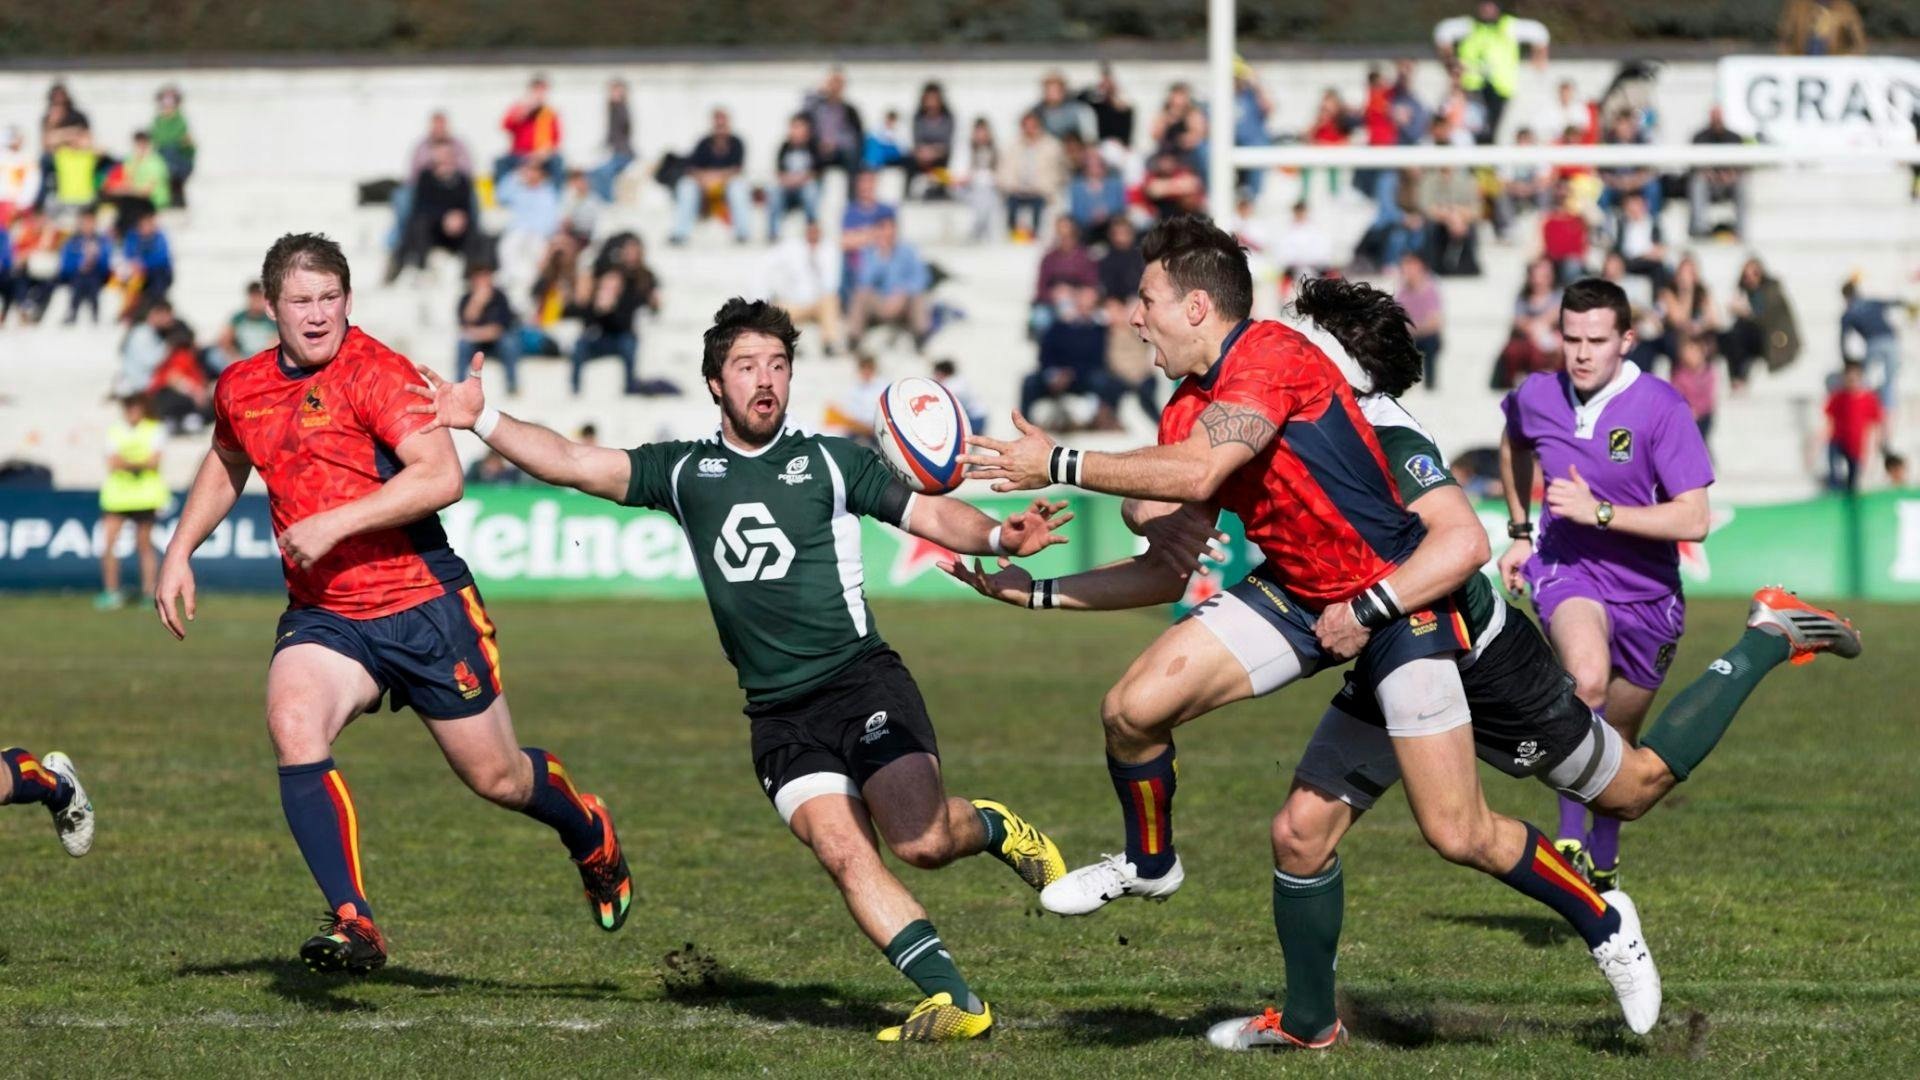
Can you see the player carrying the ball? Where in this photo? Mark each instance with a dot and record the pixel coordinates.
(841, 738)
(380, 605)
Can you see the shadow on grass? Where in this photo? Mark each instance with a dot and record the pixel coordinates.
(1132, 1025)
(1539, 931)
(1412, 1025)
(290, 980)
(691, 977)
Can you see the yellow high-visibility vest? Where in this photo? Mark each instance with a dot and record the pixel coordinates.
(129, 491)
(1490, 54)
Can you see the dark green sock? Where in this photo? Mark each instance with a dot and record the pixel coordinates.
(996, 825)
(1688, 728)
(1306, 915)
(920, 956)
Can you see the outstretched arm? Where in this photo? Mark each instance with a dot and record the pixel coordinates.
(1227, 436)
(540, 452)
(962, 527)
(1141, 581)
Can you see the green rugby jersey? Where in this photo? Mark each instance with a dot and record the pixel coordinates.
(1418, 468)
(776, 536)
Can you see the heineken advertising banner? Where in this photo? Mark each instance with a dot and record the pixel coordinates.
(533, 541)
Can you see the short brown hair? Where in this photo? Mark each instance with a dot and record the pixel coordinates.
(1592, 294)
(1197, 254)
(303, 251)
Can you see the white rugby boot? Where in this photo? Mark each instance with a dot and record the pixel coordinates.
(1628, 964)
(1090, 888)
(75, 823)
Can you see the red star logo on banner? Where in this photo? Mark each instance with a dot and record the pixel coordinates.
(915, 557)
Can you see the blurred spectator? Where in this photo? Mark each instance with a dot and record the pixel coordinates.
(249, 332)
(1566, 112)
(1686, 307)
(837, 130)
(1693, 377)
(1112, 116)
(1065, 267)
(19, 175)
(1453, 124)
(75, 165)
(146, 266)
(933, 134)
(1821, 28)
(1032, 171)
(442, 209)
(1637, 240)
(1487, 46)
(1304, 246)
(63, 123)
(892, 287)
(850, 414)
(134, 491)
(618, 143)
(35, 261)
(1251, 110)
(487, 326)
(1065, 117)
(64, 127)
(1763, 325)
(802, 277)
(1872, 320)
(492, 468)
(1376, 115)
(1477, 471)
(144, 350)
(581, 208)
(1619, 182)
(1418, 295)
(860, 228)
(796, 177)
(587, 435)
(139, 185)
(1708, 186)
(886, 146)
(1450, 200)
(1896, 466)
(713, 183)
(1121, 266)
(533, 127)
(181, 394)
(1563, 236)
(1533, 342)
(1332, 125)
(173, 142)
(1181, 127)
(1172, 188)
(533, 208)
(1412, 120)
(1523, 188)
(608, 305)
(947, 375)
(421, 160)
(86, 262)
(1095, 197)
(982, 179)
(1073, 360)
(1854, 419)
(1648, 330)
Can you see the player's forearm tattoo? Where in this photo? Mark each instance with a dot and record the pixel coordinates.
(1237, 424)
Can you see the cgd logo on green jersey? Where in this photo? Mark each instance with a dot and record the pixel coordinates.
(739, 553)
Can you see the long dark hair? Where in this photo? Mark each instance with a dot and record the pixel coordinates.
(1369, 324)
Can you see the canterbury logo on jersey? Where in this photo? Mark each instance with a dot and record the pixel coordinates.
(742, 554)
(713, 467)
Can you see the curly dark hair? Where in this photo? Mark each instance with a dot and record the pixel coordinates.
(740, 316)
(1369, 324)
(1197, 254)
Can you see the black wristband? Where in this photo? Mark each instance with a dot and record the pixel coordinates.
(1063, 466)
(1375, 607)
(1040, 594)
(1519, 530)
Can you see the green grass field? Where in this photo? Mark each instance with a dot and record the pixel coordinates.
(1778, 886)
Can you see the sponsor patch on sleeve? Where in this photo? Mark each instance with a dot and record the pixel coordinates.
(1425, 471)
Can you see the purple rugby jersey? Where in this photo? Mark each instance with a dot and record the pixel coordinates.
(1636, 444)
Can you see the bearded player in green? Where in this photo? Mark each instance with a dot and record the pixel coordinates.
(841, 737)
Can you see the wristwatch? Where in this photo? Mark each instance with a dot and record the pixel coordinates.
(1519, 530)
(1603, 514)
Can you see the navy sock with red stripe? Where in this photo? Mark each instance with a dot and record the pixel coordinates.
(320, 812)
(556, 804)
(1545, 876)
(29, 781)
(1146, 802)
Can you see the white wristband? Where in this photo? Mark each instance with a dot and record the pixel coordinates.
(993, 541)
(489, 419)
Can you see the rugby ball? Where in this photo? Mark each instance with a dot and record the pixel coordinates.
(922, 431)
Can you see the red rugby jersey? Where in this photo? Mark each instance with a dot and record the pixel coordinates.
(321, 437)
(1319, 501)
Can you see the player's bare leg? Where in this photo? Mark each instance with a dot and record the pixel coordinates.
(485, 754)
(839, 831)
(110, 594)
(1186, 672)
(313, 693)
(926, 828)
(149, 559)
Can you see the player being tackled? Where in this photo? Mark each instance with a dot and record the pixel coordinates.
(841, 738)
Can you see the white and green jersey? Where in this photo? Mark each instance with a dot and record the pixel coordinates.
(776, 536)
(1418, 468)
